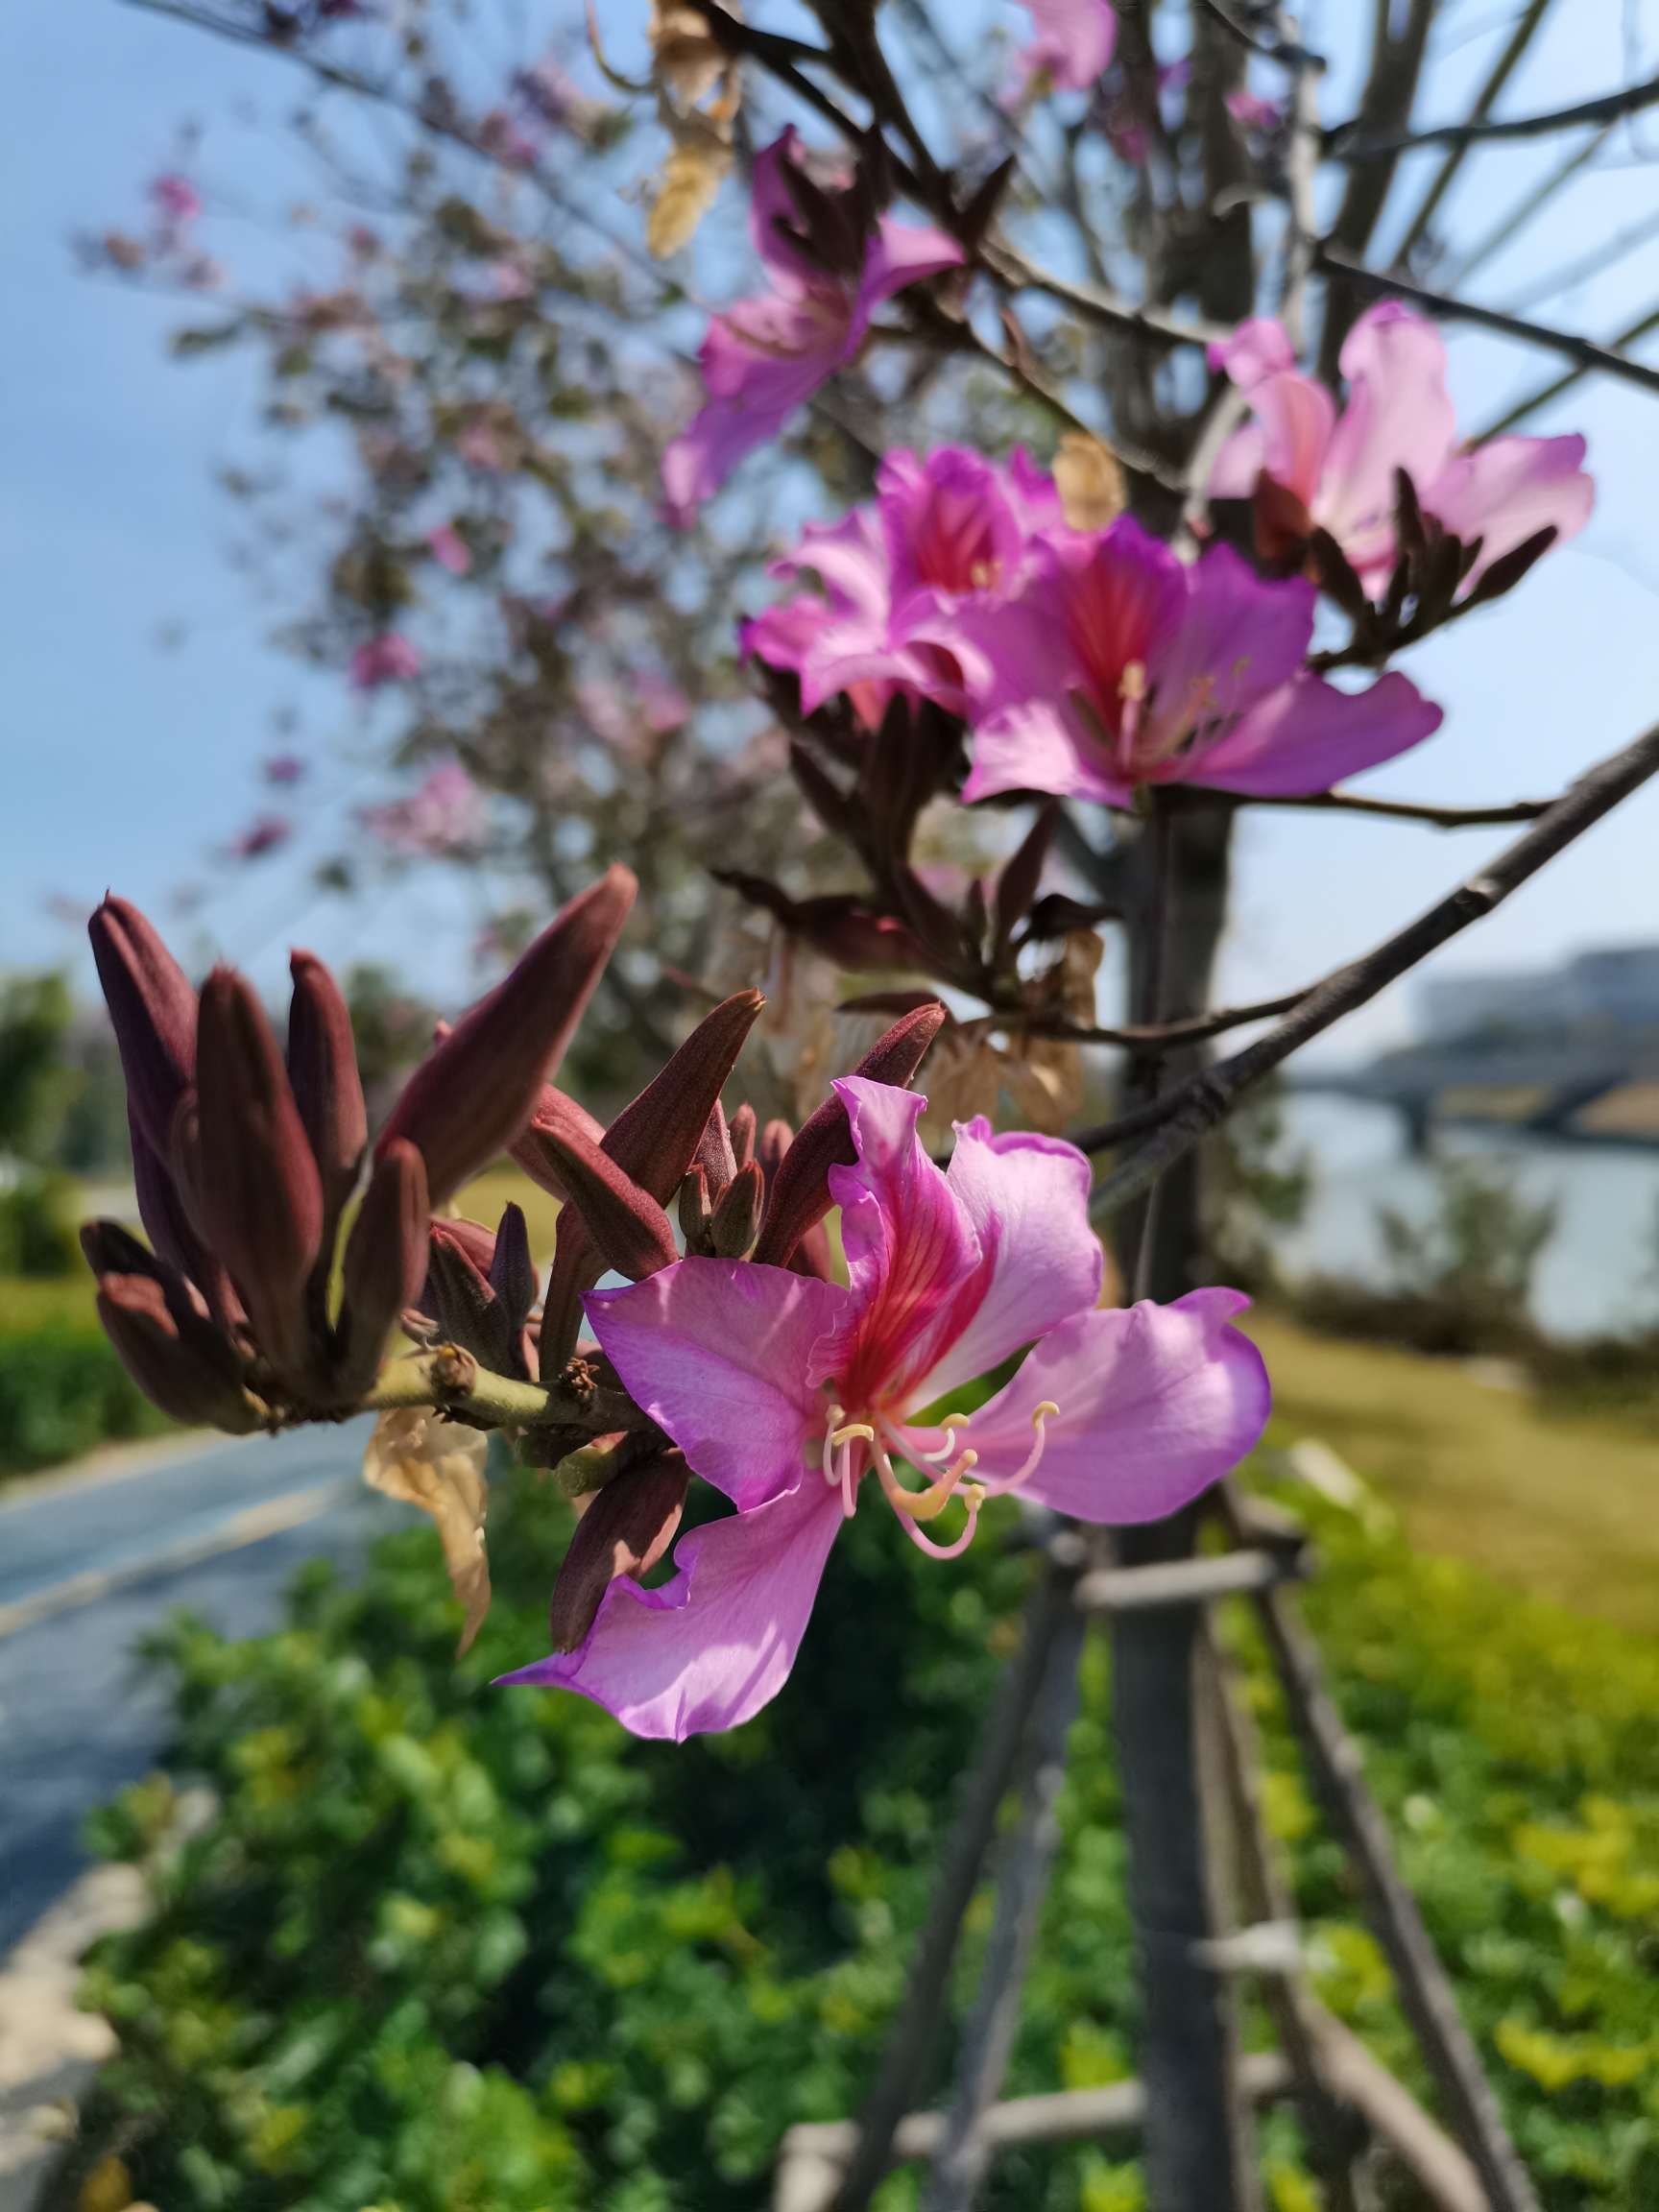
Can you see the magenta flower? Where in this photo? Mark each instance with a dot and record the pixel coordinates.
(445, 544)
(764, 357)
(948, 536)
(1119, 665)
(786, 1392)
(447, 814)
(262, 835)
(1073, 44)
(1251, 111)
(388, 659)
(1398, 416)
(177, 198)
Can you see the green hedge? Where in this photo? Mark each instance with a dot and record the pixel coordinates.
(449, 1948)
(62, 1390)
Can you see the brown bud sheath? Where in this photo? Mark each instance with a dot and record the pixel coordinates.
(553, 1111)
(799, 1192)
(189, 1371)
(385, 1263)
(260, 1194)
(629, 1229)
(738, 1217)
(626, 1531)
(152, 1011)
(323, 1070)
(473, 1093)
(742, 1135)
(715, 1152)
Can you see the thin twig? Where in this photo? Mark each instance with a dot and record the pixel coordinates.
(1611, 107)
(1196, 1107)
(911, 2041)
(1410, 810)
(1538, 198)
(1553, 391)
(964, 2153)
(1586, 352)
(1013, 268)
(1165, 1035)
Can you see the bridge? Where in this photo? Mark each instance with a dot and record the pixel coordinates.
(1602, 1090)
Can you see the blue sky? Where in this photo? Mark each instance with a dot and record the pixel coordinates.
(129, 758)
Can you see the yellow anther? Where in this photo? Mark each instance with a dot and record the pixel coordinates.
(973, 1496)
(955, 1421)
(927, 1505)
(1044, 1411)
(840, 1437)
(1132, 683)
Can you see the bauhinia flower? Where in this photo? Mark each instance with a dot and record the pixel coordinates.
(1339, 471)
(389, 658)
(948, 536)
(831, 259)
(1121, 664)
(447, 814)
(1072, 45)
(796, 1397)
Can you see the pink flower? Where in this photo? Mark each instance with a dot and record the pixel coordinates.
(786, 1392)
(447, 814)
(177, 198)
(948, 536)
(1398, 416)
(1252, 113)
(262, 835)
(1120, 665)
(764, 357)
(662, 702)
(388, 659)
(283, 769)
(445, 544)
(1073, 44)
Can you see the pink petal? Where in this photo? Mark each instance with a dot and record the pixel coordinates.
(1156, 1403)
(1308, 735)
(1027, 1199)
(772, 202)
(1240, 462)
(753, 393)
(899, 255)
(711, 1648)
(851, 557)
(1241, 636)
(1508, 491)
(913, 1260)
(1298, 420)
(1073, 42)
(1039, 745)
(1257, 349)
(1398, 416)
(949, 525)
(722, 1353)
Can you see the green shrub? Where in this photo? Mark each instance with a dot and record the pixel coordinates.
(447, 1946)
(61, 1391)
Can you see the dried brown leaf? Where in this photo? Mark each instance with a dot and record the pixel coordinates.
(439, 1466)
(687, 185)
(1089, 480)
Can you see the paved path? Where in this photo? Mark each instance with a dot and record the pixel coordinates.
(89, 1562)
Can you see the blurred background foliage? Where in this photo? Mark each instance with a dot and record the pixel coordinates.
(447, 1947)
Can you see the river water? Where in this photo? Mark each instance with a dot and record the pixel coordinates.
(1599, 1273)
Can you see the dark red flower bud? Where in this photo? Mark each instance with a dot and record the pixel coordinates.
(474, 1240)
(775, 1140)
(169, 1229)
(553, 1111)
(260, 1194)
(738, 1217)
(715, 1153)
(323, 1070)
(473, 1093)
(465, 1306)
(625, 1530)
(742, 1135)
(512, 1271)
(152, 1011)
(629, 1229)
(188, 1370)
(799, 1193)
(385, 1264)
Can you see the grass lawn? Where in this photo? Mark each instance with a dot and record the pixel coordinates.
(1566, 1509)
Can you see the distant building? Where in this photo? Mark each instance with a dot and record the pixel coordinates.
(1616, 990)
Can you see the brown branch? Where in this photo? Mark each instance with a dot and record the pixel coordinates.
(1011, 268)
(1165, 1035)
(1586, 352)
(1408, 810)
(1199, 1104)
(1532, 16)
(1611, 107)
(1553, 391)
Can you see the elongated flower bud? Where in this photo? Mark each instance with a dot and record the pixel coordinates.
(742, 1135)
(512, 1271)
(799, 1193)
(168, 1227)
(629, 1229)
(385, 1263)
(474, 1094)
(694, 1211)
(625, 1530)
(189, 1371)
(260, 1194)
(715, 1152)
(323, 1071)
(152, 1011)
(553, 1111)
(466, 1309)
(738, 1217)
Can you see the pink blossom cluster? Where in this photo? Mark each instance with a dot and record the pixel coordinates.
(1085, 663)
(447, 814)
(1398, 416)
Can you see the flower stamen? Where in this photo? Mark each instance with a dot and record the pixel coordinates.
(1046, 1412)
(950, 1422)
